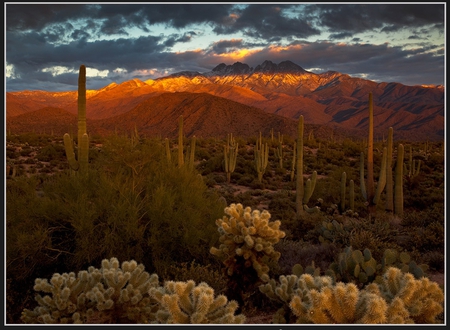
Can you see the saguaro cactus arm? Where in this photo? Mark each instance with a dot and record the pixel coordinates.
(70, 154)
(382, 178)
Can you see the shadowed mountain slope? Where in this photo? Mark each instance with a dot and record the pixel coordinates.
(285, 89)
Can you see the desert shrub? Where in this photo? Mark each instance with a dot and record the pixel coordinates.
(245, 198)
(282, 206)
(186, 271)
(113, 294)
(299, 252)
(180, 214)
(429, 238)
(414, 218)
(211, 164)
(129, 200)
(25, 152)
(435, 260)
(48, 153)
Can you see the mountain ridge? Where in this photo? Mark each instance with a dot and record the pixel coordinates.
(286, 89)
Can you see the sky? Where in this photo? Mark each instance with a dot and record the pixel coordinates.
(45, 43)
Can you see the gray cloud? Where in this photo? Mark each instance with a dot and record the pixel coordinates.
(358, 18)
(43, 35)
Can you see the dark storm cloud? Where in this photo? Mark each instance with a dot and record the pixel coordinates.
(268, 22)
(358, 18)
(39, 36)
(176, 38)
(224, 46)
(37, 16)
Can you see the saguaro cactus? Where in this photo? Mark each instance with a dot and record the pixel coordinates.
(190, 154)
(261, 157)
(398, 194)
(389, 179)
(230, 156)
(303, 193)
(279, 153)
(168, 152)
(412, 168)
(180, 142)
(343, 190)
(83, 139)
(370, 182)
(352, 195)
(299, 165)
(369, 194)
(294, 157)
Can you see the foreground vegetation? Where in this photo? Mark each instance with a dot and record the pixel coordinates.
(138, 205)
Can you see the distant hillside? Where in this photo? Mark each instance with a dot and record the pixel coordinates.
(333, 99)
(46, 120)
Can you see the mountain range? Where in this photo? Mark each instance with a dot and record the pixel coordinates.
(238, 99)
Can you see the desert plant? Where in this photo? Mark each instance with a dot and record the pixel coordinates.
(83, 139)
(230, 156)
(398, 192)
(246, 248)
(188, 303)
(409, 300)
(261, 151)
(112, 294)
(247, 239)
(303, 192)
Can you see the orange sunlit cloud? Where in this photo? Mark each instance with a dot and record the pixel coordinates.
(238, 55)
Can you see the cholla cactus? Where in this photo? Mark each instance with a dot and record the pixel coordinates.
(321, 302)
(398, 298)
(107, 295)
(288, 287)
(410, 300)
(186, 303)
(247, 237)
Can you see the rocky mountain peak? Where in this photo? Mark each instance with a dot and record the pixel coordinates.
(266, 66)
(236, 68)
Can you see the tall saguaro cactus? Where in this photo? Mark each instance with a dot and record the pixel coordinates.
(230, 155)
(81, 163)
(303, 193)
(389, 179)
(370, 182)
(299, 165)
(261, 157)
(398, 193)
(343, 190)
(368, 190)
(180, 143)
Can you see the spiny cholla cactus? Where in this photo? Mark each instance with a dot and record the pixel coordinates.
(247, 237)
(342, 303)
(410, 300)
(285, 290)
(398, 298)
(107, 295)
(186, 303)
